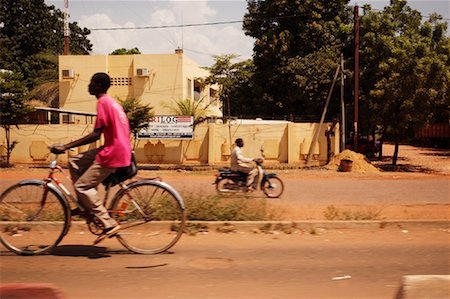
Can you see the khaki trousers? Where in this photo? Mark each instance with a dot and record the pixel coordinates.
(87, 174)
(251, 174)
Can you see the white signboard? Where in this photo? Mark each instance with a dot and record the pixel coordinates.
(168, 127)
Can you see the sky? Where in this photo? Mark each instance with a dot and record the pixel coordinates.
(201, 43)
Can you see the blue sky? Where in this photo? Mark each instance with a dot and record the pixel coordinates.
(199, 43)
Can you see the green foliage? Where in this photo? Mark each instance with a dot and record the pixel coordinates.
(198, 109)
(31, 38)
(138, 114)
(405, 70)
(234, 81)
(293, 36)
(14, 99)
(123, 51)
(14, 106)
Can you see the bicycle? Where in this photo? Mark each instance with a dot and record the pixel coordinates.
(35, 215)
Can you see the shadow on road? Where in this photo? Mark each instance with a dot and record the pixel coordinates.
(89, 251)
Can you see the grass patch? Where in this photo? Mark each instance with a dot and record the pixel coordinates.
(333, 213)
(218, 208)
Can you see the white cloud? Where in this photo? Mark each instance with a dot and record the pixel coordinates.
(105, 42)
(200, 42)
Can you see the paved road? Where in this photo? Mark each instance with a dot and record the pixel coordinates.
(248, 265)
(243, 265)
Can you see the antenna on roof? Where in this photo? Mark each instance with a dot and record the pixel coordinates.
(182, 31)
(66, 28)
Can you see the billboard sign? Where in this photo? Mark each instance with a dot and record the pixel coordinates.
(168, 127)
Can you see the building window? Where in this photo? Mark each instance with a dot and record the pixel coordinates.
(197, 90)
(68, 119)
(121, 81)
(189, 88)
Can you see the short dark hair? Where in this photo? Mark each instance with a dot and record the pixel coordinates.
(103, 80)
(238, 140)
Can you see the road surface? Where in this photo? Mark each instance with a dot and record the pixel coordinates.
(325, 263)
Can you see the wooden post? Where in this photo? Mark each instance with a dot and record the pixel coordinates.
(316, 135)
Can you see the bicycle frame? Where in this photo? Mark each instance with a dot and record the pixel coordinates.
(51, 178)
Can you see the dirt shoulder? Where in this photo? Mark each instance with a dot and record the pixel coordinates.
(417, 159)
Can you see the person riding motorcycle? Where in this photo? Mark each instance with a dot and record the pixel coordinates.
(238, 163)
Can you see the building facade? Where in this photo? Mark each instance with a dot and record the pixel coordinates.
(159, 80)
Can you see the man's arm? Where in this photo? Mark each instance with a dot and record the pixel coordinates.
(94, 136)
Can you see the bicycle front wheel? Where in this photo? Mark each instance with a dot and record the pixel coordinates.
(33, 218)
(151, 214)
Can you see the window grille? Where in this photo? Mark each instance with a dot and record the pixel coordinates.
(121, 81)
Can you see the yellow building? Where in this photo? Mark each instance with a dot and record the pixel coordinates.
(159, 80)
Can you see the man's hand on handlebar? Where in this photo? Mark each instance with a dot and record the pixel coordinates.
(57, 149)
(258, 160)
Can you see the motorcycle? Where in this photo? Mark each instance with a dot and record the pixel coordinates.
(229, 181)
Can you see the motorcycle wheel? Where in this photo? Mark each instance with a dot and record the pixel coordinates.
(273, 187)
(223, 186)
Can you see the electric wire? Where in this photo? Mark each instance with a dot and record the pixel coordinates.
(216, 23)
(166, 26)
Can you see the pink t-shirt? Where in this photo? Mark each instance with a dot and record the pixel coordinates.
(116, 150)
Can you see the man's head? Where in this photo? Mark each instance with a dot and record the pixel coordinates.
(100, 83)
(239, 142)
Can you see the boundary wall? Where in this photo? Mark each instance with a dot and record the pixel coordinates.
(286, 143)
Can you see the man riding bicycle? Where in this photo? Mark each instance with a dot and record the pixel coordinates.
(90, 168)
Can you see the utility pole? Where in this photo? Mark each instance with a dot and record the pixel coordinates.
(66, 28)
(356, 93)
(342, 129)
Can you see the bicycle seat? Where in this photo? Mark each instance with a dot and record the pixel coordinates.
(122, 173)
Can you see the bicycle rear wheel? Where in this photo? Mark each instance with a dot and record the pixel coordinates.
(33, 218)
(151, 214)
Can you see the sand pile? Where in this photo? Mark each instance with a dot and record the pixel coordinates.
(359, 162)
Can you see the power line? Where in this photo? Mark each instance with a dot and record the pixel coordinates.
(212, 24)
(166, 26)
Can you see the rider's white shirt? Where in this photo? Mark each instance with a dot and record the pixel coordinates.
(238, 159)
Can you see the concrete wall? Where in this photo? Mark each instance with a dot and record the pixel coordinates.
(282, 143)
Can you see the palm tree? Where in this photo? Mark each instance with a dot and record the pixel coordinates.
(188, 107)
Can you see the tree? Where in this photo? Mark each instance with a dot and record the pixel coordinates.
(234, 80)
(295, 42)
(13, 106)
(405, 70)
(123, 51)
(31, 38)
(138, 114)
